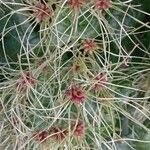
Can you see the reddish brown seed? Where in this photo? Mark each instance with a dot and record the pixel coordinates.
(76, 4)
(79, 129)
(103, 4)
(42, 12)
(58, 134)
(101, 81)
(75, 68)
(25, 80)
(89, 45)
(76, 94)
(41, 136)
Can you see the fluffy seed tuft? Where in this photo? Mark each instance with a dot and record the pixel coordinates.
(42, 12)
(79, 129)
(103, 4)
(76, 4)
(76, 94)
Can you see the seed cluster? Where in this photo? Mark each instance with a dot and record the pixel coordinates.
(59, 134)
(75, 93)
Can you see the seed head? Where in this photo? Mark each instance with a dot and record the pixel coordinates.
(42, 12)
(58, 134)
(25, 80)
(101, 80)
(103, 4)
(76, 4)
(89, 45)
(75, 68)
(41, 136)
(76, 94)
(79, 129)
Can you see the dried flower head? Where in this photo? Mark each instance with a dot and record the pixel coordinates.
(77, 66)
(76, 4)
(101, 80)
(89, 45)
(76, 94)
(26, 80)
(58, 134)
(42, 12)
(79, 129)
(103, 4)
(41, 136)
